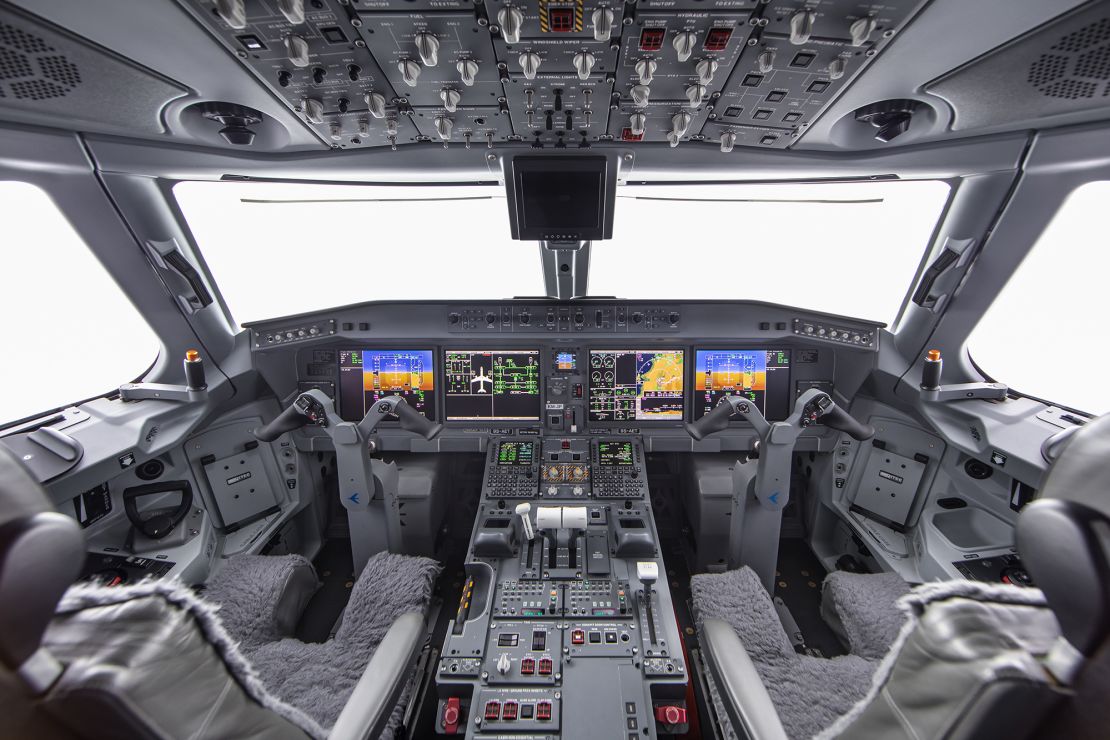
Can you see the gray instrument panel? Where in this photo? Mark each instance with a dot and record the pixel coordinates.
(555, 72)
(545, 623)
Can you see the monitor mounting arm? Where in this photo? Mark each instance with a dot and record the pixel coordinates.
(566, 268)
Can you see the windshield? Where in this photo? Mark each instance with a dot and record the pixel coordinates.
(282, 248)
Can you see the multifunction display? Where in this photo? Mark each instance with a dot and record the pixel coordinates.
(761, 375)
(516, 453)
(636, 385)
(368, 375)
(495, 385)
(611, 454)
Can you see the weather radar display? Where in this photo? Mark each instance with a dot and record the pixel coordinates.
(636, 385)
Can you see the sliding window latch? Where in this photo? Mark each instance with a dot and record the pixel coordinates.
(178, 274)
(941, 279)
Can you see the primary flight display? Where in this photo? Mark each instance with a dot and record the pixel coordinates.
(760, 375)
(368, 375)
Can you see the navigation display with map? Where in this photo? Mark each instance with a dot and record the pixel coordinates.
(370, 374)
(493, 385)
(763, 375)
(636, 385)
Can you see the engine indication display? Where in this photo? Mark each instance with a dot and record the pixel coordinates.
(516, 453)
(614, 454)
(761, 375)
(636, 385)
(368, 375)
(494, 385)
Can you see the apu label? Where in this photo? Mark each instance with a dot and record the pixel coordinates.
(237, 478)
(890, 476)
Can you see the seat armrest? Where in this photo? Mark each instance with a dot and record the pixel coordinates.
(367, 712)
(746, 700)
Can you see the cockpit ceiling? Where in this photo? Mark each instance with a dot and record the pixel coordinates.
(298, 75)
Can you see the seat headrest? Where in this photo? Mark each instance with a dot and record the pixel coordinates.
(41, 554)
(1064, 537)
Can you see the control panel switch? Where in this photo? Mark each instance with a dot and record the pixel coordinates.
(293, 10)
(427, 45)
(669, 714)
(468, 71)
(836, 68)
(296, 48)
(680, 123)
(313, 110)
(233, 12)
(375, 103)
(603, 24)
(694, 94)
(530, 64)
(728, 141)
(450, 99)
(584, 63)
(410, 71)
(510, 20)
(647, 571)
(684, 42)
(801, 27)
(504, 664)
(452, 714)
(861, 30)
(443, 127)
(524, 511)
(645, 70)
(706, 69)
(766, 61)
(637, 123)
(640, 95)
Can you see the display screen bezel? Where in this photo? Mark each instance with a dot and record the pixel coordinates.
(790, 395)
(537, 350)
(339, 400)
(633, 423)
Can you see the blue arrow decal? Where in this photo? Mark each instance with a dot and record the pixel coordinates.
(353, 498)
(774, 498)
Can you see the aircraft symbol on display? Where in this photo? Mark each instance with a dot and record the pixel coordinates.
(481, 379)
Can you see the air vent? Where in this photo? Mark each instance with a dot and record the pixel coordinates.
(33, 69)
(1078, 65)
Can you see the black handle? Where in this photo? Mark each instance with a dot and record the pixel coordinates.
(414, 421)
(288, 420)
(837, 418)
(158, 523)
(714, 421)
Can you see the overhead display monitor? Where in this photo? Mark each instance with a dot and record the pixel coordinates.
(492, 385)
(366, 375)
(561, 198)
(762, 375)
(636, 385)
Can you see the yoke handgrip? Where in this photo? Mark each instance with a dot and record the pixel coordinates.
(288, 420)
(837, 418)
(715, 421)
(413, 421)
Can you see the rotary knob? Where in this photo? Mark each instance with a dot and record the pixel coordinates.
(427, 45)
(801, 27)
(511, 21)
(640, 95)
(766, 61)
(645, 70)
(680, 123)
(637, 123)
(694, 94)
(728, 141)
(584, 63)
(450, 99)
(296, 48)
(313, 110)
(234, 13)
(375, 103)
(443, 127)
(530, 64)
(504, 664)
(836, 68)
(705, 69)
(683, 43)
(861, 30)
(603, 24)
(468, 71)
(410, 72)
(293, 10)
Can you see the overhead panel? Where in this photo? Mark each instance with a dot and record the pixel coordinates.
(556, 72)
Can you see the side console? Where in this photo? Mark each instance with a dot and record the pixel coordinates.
(565, 628)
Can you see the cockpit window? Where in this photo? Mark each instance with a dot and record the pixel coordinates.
(283, 248)
(1041, 334)
(54, 287)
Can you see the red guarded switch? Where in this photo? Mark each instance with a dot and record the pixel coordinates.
(528, 666)
(669, 714)
(452, 713)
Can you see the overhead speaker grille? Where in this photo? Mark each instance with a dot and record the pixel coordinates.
(33, 68)
(1062, 67)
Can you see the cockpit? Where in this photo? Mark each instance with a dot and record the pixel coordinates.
(554, 369)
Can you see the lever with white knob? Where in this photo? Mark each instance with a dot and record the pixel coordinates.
(443, 127)
(861, 30)
(504, 663)
(705, 69)
(234, 13)
(637, 123)
(293, 10)
(766, 61)
(524, 511)
(836, 68)
(313, 110)
(695, 93)
(640, 95)
(510, 20)
(428, 47)
(603, 24)
(728, 141)
(375, 103)
(450, 99)
(683, 43)
(645, 70)
(681, 124)
(530, 64)
(468, 71)
(801, 27)
(296, 48)
(584, 63)
(410, 71)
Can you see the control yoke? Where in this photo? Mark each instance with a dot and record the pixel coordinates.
(776, 439)
(313, 407)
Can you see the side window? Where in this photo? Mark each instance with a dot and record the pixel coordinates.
(1046, 333)
(69, 331)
